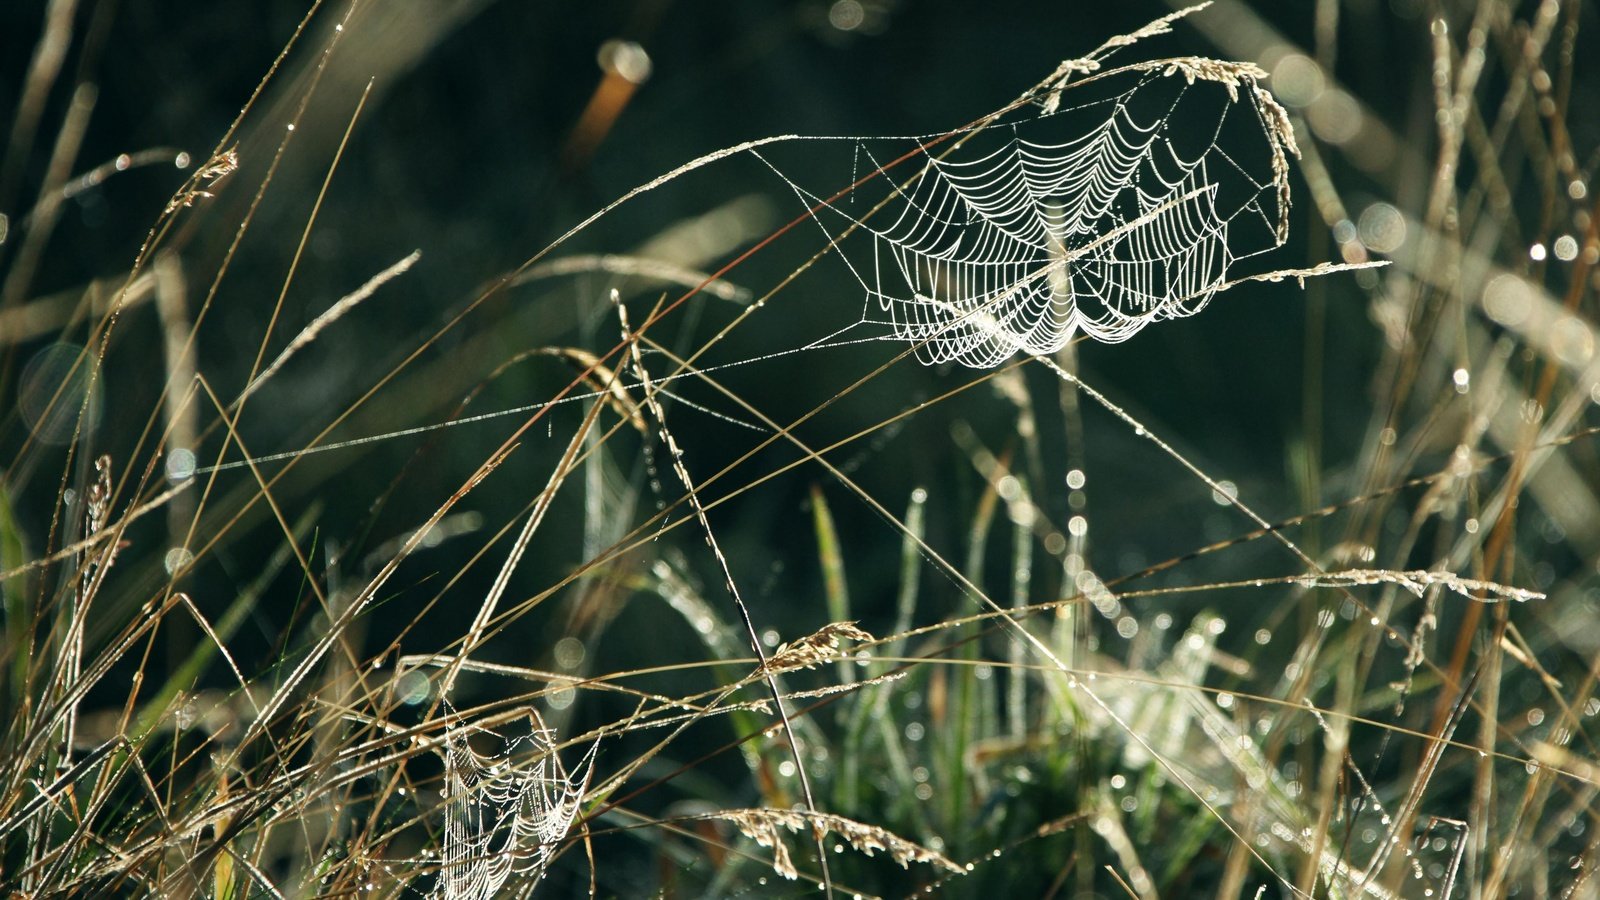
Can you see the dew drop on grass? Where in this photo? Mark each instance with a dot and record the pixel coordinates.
(1382, 228)
(177, 559)
(1225, 493)
(561, 696)
(411, 688)
(569, 652)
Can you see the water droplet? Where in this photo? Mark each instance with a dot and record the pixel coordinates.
(1225, 493)
(1566, 248)
(1382, 228)
(177, 559)
(569, 652)
(180, 465)
(411, 688)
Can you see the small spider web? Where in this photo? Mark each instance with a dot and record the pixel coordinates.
(503, 822)
(1096, 218)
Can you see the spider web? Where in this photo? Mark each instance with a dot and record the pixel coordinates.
(1097, 218)
(503, 823)
(1045, 221)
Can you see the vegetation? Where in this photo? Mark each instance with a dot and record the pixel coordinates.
(465, 479)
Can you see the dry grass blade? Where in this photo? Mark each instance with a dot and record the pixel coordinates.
(332, 314)
(822, 646)
(765, 827)
(1419, 582)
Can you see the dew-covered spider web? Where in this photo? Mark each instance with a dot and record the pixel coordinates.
(1104, 199)
(504, 822)
(1125, 206)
